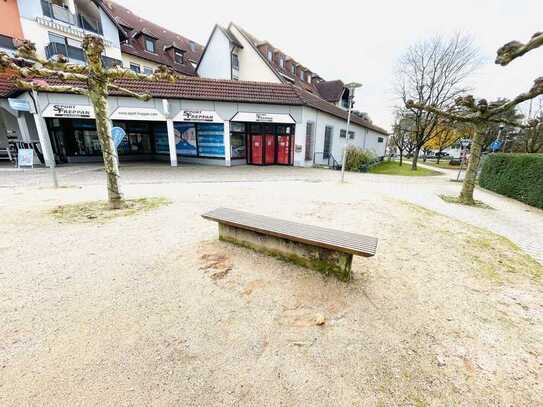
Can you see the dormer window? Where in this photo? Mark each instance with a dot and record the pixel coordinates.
(192, 46)
(270, 55)
(178, 56)
(281, 62)
(302, 75)
(150, 44)
(293, 69)
(308, 78)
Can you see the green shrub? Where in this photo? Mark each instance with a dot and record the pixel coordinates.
(358, 159)
(518, 176)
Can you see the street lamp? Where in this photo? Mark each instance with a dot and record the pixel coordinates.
(351, 86)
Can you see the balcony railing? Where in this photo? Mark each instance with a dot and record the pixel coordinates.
(6, 42)
(77, 54)
(63, 14)
(68, 51)
(57, 12)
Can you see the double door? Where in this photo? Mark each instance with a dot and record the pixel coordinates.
(267, 149)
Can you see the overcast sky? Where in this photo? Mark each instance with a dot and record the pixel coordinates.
(361, 41)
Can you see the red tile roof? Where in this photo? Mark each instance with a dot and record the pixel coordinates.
(135, 26)
(7, 87)
(193, 88)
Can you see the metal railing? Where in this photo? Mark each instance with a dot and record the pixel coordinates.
(327, 159)
(63, 14)
(55, 48)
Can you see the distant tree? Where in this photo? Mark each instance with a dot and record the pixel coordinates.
(433, 73)
(402, 136)
(445, 135)
(480, 113)
(92, 80)
(530, 140)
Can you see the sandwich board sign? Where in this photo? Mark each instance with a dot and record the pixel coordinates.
(25, 158)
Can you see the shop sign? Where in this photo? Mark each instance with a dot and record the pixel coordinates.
(284, 118)
(69, 111)
(137, 113)
(198, 116)
(20, 105)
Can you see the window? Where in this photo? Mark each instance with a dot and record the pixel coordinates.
(135, 67)
(309, 131)
(192, 46)
(281, 62)
(380, 139)
(293, 69)
(343, 133)
(308, 78)
(270, 55)
(59, 45)
(178, 56)
(327, 148)
(147, 70)
(150, 44)
(302, 75)
(235, 62)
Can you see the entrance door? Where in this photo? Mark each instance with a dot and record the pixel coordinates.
(283, 150)
(256, 149)
(270, 149)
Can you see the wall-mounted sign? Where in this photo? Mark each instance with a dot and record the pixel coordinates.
(21, 105)
(284, 118)
(137, 113)
(198, 116)
(118, 134)
(69, 111)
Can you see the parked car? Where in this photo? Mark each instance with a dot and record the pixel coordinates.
(442, 154)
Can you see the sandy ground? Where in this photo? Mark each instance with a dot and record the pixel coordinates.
(152, 310)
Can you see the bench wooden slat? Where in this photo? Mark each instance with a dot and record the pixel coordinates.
(315, 235)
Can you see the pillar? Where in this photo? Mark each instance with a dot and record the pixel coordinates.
(23, 127)
(171, 143)
(227, 147)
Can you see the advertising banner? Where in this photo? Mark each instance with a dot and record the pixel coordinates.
(211, 140)
(185, 139)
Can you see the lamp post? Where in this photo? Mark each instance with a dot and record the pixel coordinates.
(351, 86)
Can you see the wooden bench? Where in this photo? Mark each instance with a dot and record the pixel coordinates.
(326, 250)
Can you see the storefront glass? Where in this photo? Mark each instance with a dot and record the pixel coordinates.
(199, 139)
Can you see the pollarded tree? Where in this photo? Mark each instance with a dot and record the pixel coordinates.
(481, 113)
(92, 80)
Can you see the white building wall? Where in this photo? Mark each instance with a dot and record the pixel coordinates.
(33, 30)
(251, 65)
(216, 61)
(363, 137)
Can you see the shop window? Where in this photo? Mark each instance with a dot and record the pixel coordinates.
(200, 139)
(178, 55)
(327, 148)
(135, 67)
(237, 143)
(150, 44)
(309, 132)
(237, 127)
(147, 70)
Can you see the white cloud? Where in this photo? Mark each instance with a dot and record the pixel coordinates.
(357, 40)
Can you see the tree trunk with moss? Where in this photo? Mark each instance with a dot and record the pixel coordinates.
(98, 92)
(466, 194)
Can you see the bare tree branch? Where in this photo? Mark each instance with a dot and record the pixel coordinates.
(141, 96)
(515, 49)
(44, 87)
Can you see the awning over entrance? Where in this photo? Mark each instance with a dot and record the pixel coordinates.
(283, 118)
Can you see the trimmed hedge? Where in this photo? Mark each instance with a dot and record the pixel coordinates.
(518, 176)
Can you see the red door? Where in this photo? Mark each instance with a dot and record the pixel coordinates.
(256, 149)
(283, 150)
(270, 149)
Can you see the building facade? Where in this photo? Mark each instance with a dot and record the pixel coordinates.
(227, 123)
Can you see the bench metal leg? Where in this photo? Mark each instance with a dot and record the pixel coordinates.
(323, 260)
